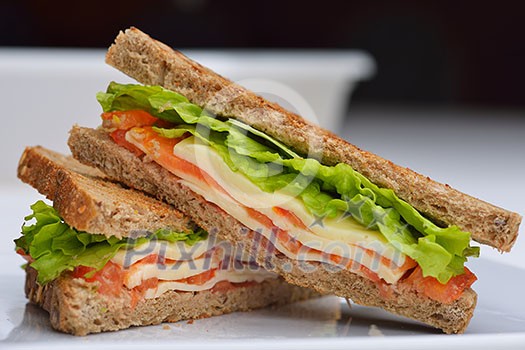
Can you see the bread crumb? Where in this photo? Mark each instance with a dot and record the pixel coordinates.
(190, 322)
(166, 327)
(373, 331)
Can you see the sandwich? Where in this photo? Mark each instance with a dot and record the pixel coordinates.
(304, 203)
(104, 257)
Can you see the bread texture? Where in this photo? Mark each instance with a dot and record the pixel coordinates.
(88, 201)
(76, 307)
(94, 147)
(153, 63)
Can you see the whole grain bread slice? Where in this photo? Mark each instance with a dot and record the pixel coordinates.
(94, 147)
(76, 307)
(88, 201)
(153, 63)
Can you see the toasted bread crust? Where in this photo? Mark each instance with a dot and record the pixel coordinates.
(88, 201)
(39, 167)
(76, 307)
(153, 63)
(94, 147)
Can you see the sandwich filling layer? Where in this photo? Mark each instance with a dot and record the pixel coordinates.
(307, 210)
(145, 267)
(335, 241)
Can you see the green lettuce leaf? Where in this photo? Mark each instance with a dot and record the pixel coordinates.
(56, 247)
(327, 191)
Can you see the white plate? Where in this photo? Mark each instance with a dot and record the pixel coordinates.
(326, 323)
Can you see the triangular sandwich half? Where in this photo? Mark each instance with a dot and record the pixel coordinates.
(105, 258)
(306, 204)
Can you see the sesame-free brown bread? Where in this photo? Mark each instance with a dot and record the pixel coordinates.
(153, 63)
(88, 201)
(94, 147)
(76, 307)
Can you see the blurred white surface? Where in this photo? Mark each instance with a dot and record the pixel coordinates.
(45, 92)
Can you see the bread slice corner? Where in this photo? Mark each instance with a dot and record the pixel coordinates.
(88, 201)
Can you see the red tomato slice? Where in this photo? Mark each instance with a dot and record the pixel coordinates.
(125, 120)
(138, 292)
(110, 277)
(199, 279)
(119, 136)
(260, 217)
(290, 243)
(374, 277)
(161, 150)
(23, 254)
(290, 217)
(445, 293)
(81, 271)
